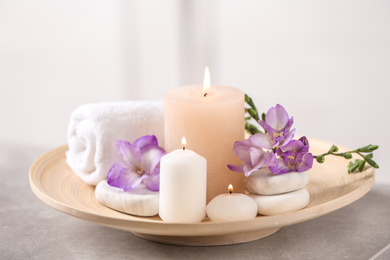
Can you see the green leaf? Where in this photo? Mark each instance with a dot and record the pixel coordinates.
(361, 165)
(371, 162)
(352, 166)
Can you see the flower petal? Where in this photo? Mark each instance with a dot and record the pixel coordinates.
(152, 181)
(306, 164)
(267, 159)
(294, 145)
(236, 168)
(271, 159)
(145, 141)
(280, 168)
(282, 117)
(304, 140)
(129, 180)
(114, 173)
(241, 149)
(249, 169)
(129, 152)
(150, 157)
(256, 155)
(277, 117)
(264, 125)
(261, 140)
(259, 159)
(289, 124)
(289, 137)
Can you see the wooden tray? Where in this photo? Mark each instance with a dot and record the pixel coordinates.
(330, 188)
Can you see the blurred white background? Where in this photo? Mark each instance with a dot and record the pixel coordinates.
(326, 62)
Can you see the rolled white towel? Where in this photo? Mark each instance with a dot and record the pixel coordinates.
(94, 129)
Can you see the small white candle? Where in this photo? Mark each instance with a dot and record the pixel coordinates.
(231, 207)
(183, 182)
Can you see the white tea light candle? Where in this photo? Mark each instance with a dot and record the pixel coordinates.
(231, 207)
(183, 182)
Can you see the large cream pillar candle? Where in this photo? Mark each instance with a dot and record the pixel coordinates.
(182, 187)
(211, 123)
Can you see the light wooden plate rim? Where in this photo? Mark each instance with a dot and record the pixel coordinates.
(330, 187)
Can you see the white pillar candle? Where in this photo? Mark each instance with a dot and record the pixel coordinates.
(211, 124)
(183, 182)
(231, 207)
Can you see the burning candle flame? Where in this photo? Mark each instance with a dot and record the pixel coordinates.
(230, 188)
(183, 142)
(206, 81)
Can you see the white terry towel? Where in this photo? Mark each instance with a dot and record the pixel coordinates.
(94, 129)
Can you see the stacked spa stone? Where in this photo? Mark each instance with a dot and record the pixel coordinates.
(278, 193)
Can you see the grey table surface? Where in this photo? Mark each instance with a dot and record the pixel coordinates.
(32, 230)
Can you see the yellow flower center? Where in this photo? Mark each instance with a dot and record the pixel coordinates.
(277, 134)
(292, 161)
(139, 171)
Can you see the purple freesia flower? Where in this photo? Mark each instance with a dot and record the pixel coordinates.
(278, 124)
(274, 149)
(253, 157)
(294, 157)
(140, 164)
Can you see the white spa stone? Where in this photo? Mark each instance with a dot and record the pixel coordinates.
(269, 205)
(139, 202)
(264, 182)
(231, 207)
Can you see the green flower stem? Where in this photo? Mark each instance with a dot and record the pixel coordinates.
(342, 154)
(358, 164)
(253, 114)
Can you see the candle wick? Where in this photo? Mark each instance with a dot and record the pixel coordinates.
(230, 191)
(184, 148)
(205, 94)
